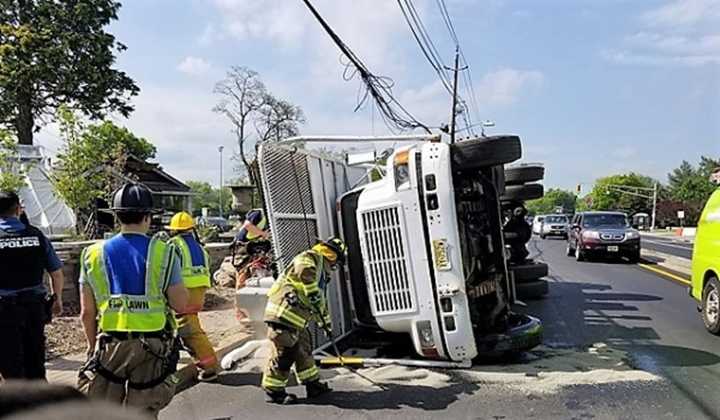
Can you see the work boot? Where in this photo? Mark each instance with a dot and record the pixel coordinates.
(316, 388)
(209, 375)
(281, 397)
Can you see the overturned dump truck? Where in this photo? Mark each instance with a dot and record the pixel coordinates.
(425, 242)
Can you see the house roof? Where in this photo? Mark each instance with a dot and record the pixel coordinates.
(154, 177)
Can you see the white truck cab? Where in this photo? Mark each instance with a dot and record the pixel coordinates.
(426, 249)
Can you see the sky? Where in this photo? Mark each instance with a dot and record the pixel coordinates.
(592, 87)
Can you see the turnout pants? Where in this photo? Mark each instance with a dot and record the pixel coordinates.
(289, 347)
(22, 328)
(129, 359)
(193, 336)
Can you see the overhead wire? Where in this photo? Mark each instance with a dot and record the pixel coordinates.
(379, 88)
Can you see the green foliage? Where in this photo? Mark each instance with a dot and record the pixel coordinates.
(552, 199)
(12, 174)
(89, 156)
(58, 52)
(605, 197)
(209, 197)
(691, 186)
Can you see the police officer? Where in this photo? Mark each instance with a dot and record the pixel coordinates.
(294, 300)
(25, 256)
(195, 263)
(129, 286)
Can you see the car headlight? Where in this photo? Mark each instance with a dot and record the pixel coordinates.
(632, 235)
(591, 234)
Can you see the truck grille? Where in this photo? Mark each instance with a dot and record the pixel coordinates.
(384, 250)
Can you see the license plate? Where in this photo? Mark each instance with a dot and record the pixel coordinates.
(442, 261)
(613, 248)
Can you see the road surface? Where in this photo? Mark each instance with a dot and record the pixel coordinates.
(620, 305)
(668, 246)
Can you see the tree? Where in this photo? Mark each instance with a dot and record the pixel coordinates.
(553, 199)
(245, 101)
(605, 197)
(12, 172)
(89, 159)
(206, 196)
(692, 186)
(242, 94)
(58, 52)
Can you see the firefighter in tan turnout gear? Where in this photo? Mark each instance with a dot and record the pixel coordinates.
(295, 299)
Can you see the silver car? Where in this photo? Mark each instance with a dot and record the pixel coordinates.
(554, 225)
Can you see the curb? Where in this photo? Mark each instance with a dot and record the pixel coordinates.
(187, 375)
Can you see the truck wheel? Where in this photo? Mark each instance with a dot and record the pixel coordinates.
(528, 272)
(522, 174)
(711, 306)
(485, 151)
(522, 192)
(635, 257)
(535, 289)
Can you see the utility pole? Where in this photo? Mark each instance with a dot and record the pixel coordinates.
(220, 191)
(654, 210)
(456, 70)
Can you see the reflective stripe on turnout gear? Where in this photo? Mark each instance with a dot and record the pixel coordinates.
(284, 313)
(131, 313)
(269, 381)
(308, 374)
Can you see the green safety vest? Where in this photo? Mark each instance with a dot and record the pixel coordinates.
(193, 276)
(262, 225)
(131, 313)
(278, 309)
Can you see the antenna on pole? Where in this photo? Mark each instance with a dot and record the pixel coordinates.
(453, 114)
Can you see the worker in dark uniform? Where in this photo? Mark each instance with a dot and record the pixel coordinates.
(25, 255)
(253, 231)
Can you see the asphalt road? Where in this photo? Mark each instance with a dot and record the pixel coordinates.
(621, 305)
(668, 246)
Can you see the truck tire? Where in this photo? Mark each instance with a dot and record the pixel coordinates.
(535, 289)
(524, 333)
(523, 192)
(711, 306)
(485, 151)
(522, 174)
(528, 272)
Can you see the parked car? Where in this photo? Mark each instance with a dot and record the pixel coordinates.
(597, 233)
(554, 225)
(537, 224)
(219, 222)
(705, 287)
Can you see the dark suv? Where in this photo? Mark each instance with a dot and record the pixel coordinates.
(607, 233)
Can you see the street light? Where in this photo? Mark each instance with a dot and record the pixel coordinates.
(220, 195)
(486, 124)
(635, 191)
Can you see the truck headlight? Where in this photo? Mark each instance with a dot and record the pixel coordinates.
(401, 164)
(426, 334)
(591, 234)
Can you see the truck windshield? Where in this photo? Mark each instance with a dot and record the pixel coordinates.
(605, 220)
(556, 219)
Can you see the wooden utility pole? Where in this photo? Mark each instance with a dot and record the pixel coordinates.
(453, 115)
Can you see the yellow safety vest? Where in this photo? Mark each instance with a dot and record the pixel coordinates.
(262, 225)
(193, 276)
(278, 308)
(131, 313)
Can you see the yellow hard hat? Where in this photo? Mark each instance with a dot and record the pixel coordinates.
(181, 221)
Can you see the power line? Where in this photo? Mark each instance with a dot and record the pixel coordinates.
(377, 87)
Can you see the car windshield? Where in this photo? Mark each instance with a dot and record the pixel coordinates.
(556, 219)
(605, 220)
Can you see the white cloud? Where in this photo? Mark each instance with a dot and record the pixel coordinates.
(679, 33)
(194, 66)
(683, 12)
(505, 86)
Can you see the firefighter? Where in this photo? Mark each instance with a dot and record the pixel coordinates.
(129, 286)
(294, 300)
(195, 263)
(25, 255)
(253, 231)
